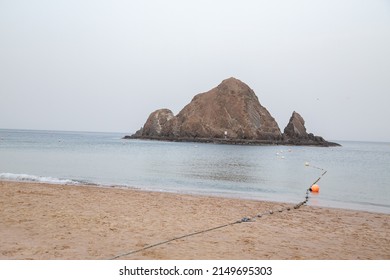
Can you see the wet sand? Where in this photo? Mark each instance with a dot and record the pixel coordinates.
(43, 221)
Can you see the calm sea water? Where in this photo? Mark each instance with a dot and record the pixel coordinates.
(358, 172)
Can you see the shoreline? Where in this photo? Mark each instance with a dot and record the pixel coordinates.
(230, 141)
(45, 221)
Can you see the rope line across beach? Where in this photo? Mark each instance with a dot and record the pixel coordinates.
(242, 220)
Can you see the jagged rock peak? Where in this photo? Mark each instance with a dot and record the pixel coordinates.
(230, 110)
(296, 127)
(232, 84)
(295, 133)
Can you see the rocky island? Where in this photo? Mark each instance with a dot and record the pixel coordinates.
(230, 114)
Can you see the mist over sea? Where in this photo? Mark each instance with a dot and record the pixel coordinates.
(357, 173)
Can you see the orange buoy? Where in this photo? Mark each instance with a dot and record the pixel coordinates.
(315, 188)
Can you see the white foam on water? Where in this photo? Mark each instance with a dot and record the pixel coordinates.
(34, 178)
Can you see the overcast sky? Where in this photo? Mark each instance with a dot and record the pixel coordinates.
(106, 65)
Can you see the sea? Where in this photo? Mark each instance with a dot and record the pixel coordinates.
(357, 173)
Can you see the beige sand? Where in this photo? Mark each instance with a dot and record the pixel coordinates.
(41, 221)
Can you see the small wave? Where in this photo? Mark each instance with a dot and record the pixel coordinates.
(34, 178)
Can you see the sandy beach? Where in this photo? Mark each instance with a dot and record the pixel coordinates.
(43, 221)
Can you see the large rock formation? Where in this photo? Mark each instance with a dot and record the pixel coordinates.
(230, 110)
(228, 113)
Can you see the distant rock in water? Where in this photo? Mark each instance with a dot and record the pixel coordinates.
(230, 110)
(295, 128)
(228, 113)
(295, 133)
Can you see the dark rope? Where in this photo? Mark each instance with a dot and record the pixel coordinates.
(173, 239)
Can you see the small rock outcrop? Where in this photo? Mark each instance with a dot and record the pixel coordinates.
(295, 128)
(156, 122)
(295, 133)
(228, 113)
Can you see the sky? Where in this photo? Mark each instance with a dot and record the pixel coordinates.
(99, 65)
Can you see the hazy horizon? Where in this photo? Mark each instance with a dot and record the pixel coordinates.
(106, 65)
(125, 133)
